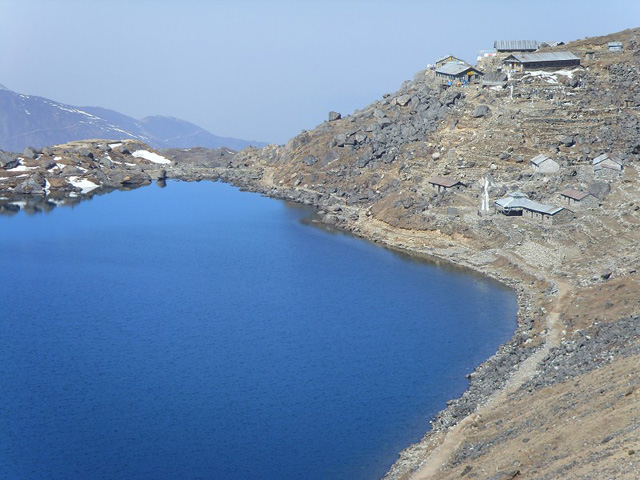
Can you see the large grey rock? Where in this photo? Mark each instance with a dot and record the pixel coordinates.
(34, 185)
(330, 156)
(566, 140)
(364, 160)
(7, 160)
(480, 111)
(309, 160)
(450, 98)
(599, 189)
(334, 116)
(84, 152)
(402, 100)
(30, 152)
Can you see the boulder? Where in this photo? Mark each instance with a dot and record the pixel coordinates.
(481, 111)
(340, 139)
(8, 161)
(309, 160)
(377, 113)
(364, 160)
(403, 100)
(329, 157)
(599, 189)
(30, 152)
(450, 98)
(48, 151)
(566, 140)
(334, 116)
(84, 152)
(34, 185)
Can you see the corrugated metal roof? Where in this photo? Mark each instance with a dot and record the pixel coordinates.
(543, 57)
(444, 181)
(574, 194)
(537, 160)
(456, 69)
(605, 156)
(451, 58)
(516, 45)
(517, 201)
(494, 78)
(614, 44)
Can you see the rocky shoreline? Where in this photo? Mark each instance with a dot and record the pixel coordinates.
(535, 293)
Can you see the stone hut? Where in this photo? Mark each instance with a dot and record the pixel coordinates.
(607, 163)
(543, 164)
(571, 196)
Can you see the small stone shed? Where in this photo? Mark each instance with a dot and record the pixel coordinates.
(519, 62)
(458, 72)
(445, 183)
(606, 163)
(543, 164)
(576, 197)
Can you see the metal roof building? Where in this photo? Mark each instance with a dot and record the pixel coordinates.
(516, 45)
(458, 71)
(528, 61)
(443, 183)
(543, 164)
(609, 161)
(615, 46)
(517, 203)
(574, 194)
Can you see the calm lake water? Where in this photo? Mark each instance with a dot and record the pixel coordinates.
(198, 331)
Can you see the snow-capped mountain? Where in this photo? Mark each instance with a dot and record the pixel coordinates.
(27, 120)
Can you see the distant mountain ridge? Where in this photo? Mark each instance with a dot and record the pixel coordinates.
(27, 120)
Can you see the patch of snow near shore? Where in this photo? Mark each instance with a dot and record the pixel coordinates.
(21, 168)
(546, 76)
(152, 157)
(83, 183)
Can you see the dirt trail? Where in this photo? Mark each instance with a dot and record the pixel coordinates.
(526, 371)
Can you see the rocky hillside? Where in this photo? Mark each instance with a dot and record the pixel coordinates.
(27, 120)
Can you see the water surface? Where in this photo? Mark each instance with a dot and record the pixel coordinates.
(202, 332)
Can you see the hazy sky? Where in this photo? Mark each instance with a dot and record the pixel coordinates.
(262, 70)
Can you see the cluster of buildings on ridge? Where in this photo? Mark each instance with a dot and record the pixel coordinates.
(518, 204)
(517, 56)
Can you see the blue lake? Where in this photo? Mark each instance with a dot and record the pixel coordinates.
(200, 332)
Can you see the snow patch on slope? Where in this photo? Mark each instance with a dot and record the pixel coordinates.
(152, 157)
